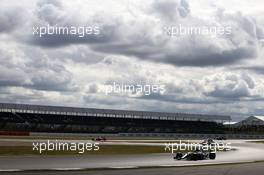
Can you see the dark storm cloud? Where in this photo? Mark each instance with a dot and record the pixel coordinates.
(34, 70)
(48, 75)
(256, 69)
(51, 81)
(58, 40)
(203, 58)
(80, 54)
(51, 68)
(40, 80)
(231, 94)
(11, 18)
(181, 99)
(106, 101)
(226, 89)
(126, 37)
(184, 52)
(193, 50)
(100, 34)
(53, 14)
(200, 57)
(93, 88)
(171, 10)
(9, 77)
(231, 86)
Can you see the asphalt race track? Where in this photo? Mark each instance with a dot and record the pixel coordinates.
(245, 152)
(234, 169)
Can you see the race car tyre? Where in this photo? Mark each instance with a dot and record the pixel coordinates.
(212, 155)
(193, 157)
(178, 156)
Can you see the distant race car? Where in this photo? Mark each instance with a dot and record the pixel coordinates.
(99, 139)
(195, 155)
(220, 138)
(208, 142)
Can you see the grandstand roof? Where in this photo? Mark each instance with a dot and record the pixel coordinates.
(59, 110)
(230, 123)
(260, 117)
(252, 120)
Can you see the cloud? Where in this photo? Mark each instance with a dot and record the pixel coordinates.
(32, 69)
(171, 10)
(9, 77)
(11, 17)
(229, 86)
(256, 69)
(240, 45)
(60, 15)
(93, 88)
(201, 73)
(145, 37)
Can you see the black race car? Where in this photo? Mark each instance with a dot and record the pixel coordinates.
(195, 155)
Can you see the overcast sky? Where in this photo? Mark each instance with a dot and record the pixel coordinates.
(205, 74)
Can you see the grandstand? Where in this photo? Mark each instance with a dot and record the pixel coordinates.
(252, 125)
(36, 118)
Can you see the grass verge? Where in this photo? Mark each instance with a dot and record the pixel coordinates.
(104, 150)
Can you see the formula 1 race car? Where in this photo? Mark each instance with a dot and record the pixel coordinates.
(99, 139)
(208, 142)
(195, 155)
(220, 138)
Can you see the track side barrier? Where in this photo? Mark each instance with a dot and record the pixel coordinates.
(165, 135)
(14, 133)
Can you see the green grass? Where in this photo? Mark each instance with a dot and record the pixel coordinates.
(104, 150)
(258, 142)
(83, 138)
(46, 137)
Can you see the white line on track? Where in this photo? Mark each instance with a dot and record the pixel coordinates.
(10, 170)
